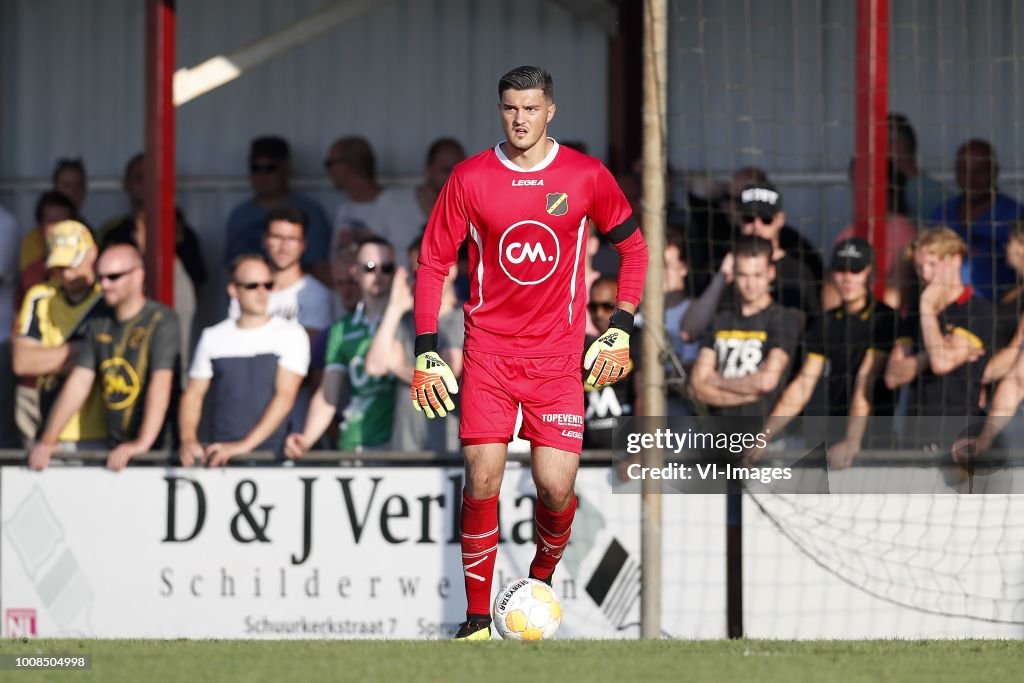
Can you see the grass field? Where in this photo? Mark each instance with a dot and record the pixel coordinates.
(620, 661)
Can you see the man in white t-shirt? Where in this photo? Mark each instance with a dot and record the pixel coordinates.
(297, 296)
(396, 214)
(252, 368)
(10, 239)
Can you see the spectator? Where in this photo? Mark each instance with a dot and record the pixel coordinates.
(51, 208)
(442, 157)
(254, 365)
(346, 288)
(944, 349)
(9, 235)
(715, 223)
(50, 334)
(680, 352)
(793, 283)
(134, 233)
(368, 413)
(392, 353)
(270, 170)
(122, 228)
(848, 346)
(69, 179)
(742, 365)
(892, 266)
(135, 349)
(393, 214)
(296, 296)
(607, 408)
(982, 216)
(924, 194)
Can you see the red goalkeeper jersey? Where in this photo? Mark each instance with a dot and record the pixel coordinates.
(528, 231)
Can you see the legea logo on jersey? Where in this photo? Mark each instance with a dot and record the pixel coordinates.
(528, 252)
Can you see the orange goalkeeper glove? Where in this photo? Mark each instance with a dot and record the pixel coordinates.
(433, 381)
(608, 357)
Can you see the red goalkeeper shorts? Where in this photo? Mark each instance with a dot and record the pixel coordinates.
(549, 389)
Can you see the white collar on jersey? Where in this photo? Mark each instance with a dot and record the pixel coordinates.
(539, 167)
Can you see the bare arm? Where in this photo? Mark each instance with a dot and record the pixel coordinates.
(903, 366)
(286, 386)
(947, 352)
(1004, 360)
(190, 409)
(158, 399)
(797, 394)
(764, 381)
(71, 399)
(322, 409)
(705, 379)
(32, 359)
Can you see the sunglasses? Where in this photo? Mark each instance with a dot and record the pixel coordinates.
(263, 168)
(250, 286)
(385, 268)
(595, 306)
(113, 277)
(751, 217)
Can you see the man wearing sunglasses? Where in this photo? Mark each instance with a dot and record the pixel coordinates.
(608, 407)
(270, 169)
(365, 403)
(524, 205)
(296, 296)
(794, 285)
(134, 351)
(254, 366)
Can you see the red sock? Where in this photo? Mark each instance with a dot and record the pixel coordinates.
(552, 536)
(479, 550)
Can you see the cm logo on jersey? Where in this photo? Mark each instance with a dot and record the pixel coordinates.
(528, 252)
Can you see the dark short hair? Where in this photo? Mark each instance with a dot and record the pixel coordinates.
(270, 146)
(288, 214)
(899, 127)
(605, 279)
(374, 239)
(527, 78)
(243, 258)
(66, 165)
(437, 145)
(131, 162)
(675, 238)
(356, 152)
(54, 198)
(752, 246)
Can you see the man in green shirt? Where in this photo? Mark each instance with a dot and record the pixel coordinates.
(365, 404)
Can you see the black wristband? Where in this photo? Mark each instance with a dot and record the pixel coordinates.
(621, 320)
(425, 343)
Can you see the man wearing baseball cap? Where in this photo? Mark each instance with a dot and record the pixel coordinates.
(848, 346)
(795, 285)
(49, 331)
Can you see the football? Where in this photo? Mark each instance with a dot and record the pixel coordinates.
(527, 609)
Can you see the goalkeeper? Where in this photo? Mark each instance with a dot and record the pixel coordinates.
(524, 205)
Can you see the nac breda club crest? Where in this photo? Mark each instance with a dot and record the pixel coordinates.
(557, 203)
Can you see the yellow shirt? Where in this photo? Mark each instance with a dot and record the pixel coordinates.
(48, 317)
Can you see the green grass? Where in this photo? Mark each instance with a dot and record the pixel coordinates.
(148, 661)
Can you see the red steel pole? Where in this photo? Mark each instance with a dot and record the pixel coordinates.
(160, 204)
(872, 140)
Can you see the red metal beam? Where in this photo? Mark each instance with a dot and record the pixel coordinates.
(160, 204)
(872, 141)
